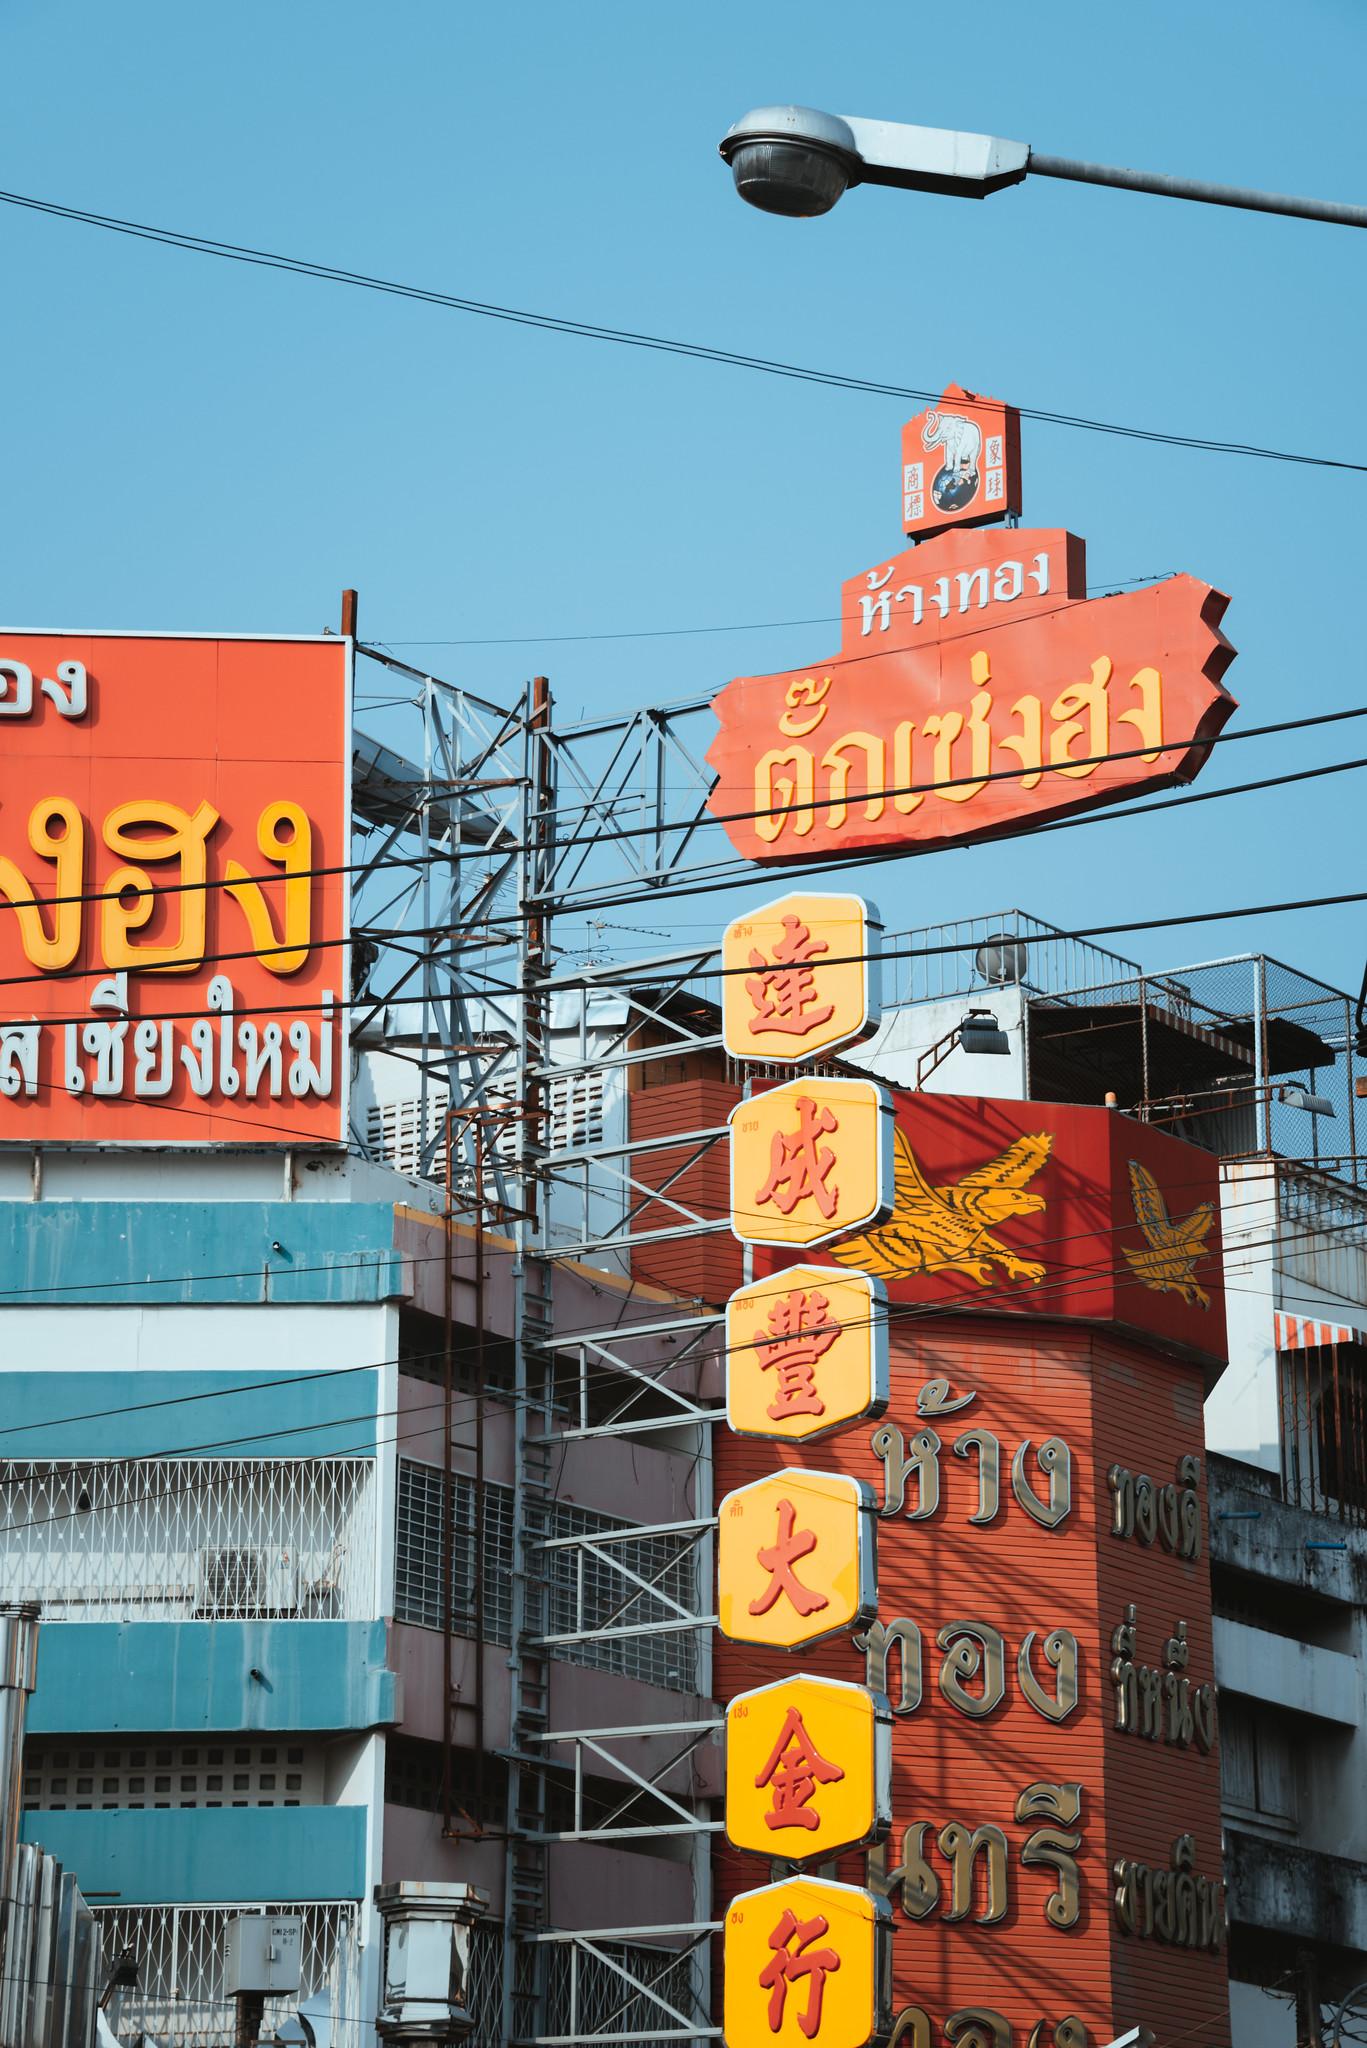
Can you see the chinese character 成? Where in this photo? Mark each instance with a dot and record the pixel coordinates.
(799, 1165)
(794, 1958)
(794, 1770)
(790, 1543)
(798, 1335)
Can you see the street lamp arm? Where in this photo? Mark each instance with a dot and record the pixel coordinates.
(1043, 166)
(798, 160)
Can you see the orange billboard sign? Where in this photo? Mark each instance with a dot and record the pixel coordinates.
(174, 936)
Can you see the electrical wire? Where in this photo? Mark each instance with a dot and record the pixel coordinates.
(237, 252)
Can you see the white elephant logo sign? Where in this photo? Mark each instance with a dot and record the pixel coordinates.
(960, 440)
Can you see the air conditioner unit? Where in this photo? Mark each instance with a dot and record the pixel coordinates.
(247, 1582)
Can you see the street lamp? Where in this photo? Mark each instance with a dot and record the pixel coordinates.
(798, 161)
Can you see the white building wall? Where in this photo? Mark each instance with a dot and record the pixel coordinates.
(906, 1033)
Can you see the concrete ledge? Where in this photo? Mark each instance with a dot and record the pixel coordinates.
(1294, 1891)
(1286, 1673)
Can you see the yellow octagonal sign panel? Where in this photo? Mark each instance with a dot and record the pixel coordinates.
(807, 1961)
(801, 975)
(811, 1162)
(808, 1769)
(806, 1353)
(796, 1559)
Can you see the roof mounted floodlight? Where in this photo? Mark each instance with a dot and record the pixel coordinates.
(1313, 1105)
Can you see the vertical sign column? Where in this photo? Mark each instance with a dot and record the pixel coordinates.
(808, 1760)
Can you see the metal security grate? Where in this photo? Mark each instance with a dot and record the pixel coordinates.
(179, 1996)
(418, 1552)
(586, 1592)
(175, 1539)
(585, 1997)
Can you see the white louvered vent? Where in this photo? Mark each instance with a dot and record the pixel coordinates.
(576, 1105)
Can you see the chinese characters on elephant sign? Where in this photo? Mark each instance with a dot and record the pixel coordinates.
(976, 687)
(174, 959)
(808, 1769)
(960, 464)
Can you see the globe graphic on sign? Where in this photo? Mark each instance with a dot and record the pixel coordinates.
(954, 488)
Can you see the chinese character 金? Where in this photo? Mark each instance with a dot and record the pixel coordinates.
(784, 991)
(794, 1770)
(778, 1559)
(798, 1335)
(800, 1166)
(789, 1963)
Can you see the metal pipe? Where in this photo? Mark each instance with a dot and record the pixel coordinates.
(1165, 187)
(18, 1676)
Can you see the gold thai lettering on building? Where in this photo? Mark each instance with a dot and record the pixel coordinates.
(981, 2027)
(1160, 1702)
(1167, 1515)
(918, 1461)
(973, 1669)
(147, 834)
(978, 1861)
(948, 757)
(1174, 1905)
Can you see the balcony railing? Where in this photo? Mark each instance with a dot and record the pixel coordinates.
(190, 1539)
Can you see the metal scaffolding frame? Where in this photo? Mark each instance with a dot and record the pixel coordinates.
(466, 857)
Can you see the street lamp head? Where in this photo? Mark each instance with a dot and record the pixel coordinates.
(792, 160)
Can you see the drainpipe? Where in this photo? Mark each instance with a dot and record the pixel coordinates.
(18, 1676)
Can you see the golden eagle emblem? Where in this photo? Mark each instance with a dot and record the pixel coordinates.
(948, 1229)
(1168, 1264)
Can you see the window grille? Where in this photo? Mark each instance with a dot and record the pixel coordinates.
(179, 1539)
(60, 1777)
(179, 1997)
(585, 1591)
(418, 1552)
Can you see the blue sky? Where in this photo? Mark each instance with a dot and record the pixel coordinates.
(191, 444)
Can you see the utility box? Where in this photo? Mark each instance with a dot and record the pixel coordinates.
(262, 1952)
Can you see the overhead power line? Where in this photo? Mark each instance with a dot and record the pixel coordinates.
(626, 337)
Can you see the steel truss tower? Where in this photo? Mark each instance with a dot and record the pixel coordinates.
(467, 859)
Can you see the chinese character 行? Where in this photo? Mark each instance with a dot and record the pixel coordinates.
(799, 1960)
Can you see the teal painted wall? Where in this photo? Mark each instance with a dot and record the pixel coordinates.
(195, 1251)
(215, 1856)
(313, 1415)
(104, 1677)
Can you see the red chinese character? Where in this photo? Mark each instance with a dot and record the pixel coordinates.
(778, 1560)
(794, 1770)
(784, 992)
(799, 1165)
(799, 1960)
(798, 1335)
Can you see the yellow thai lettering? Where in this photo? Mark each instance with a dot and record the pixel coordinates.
(807, 706)
(284, 836)
(56, 833)
(837, 760)
(907, 798)
(1028, 744)
(183, 837)
(1147, 716)
(784, 799)
(1084, 710)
